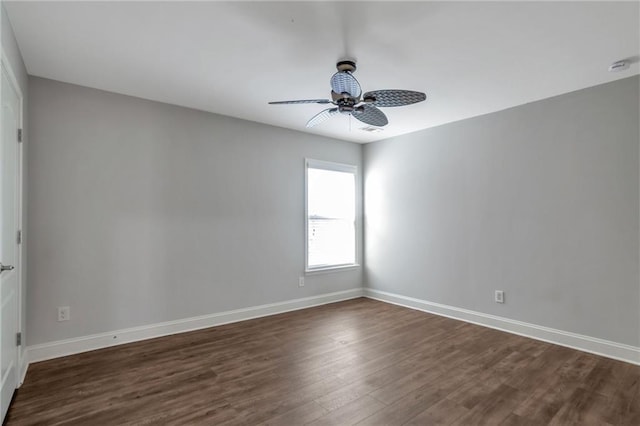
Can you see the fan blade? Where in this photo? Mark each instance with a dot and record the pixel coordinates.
(371, 115)
(302, 101)
(322, 116)
(394, 98)
(345, 82)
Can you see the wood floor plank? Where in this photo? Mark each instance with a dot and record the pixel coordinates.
(582, 408)
(359, 361)
(405, 408)
(445, 412)
(301, 415)
(350, 413)
(260, 407)
(494, 408)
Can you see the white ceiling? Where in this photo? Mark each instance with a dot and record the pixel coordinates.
(231, 58)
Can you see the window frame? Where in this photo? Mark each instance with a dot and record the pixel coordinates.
(337, 167)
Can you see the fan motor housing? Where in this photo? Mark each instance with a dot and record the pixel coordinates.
(346, 65)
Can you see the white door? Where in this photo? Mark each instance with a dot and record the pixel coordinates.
(9, 248)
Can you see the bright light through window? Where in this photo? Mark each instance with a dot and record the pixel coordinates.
(331, 215)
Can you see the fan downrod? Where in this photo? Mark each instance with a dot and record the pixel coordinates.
(346, 66)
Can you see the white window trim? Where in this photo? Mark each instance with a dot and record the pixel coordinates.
(338, 167)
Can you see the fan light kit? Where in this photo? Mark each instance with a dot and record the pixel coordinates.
(348, 99)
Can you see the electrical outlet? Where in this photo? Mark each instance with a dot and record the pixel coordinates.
(499, 296)
(301, 282)
(64, 313)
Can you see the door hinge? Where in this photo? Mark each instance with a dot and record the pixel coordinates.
(19, 135)
(18, 339)
(19, 237)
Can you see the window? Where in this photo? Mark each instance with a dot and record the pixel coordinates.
(331, 215)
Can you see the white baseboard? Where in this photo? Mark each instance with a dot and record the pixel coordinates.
(580, 342)
(23, 365)
(45, 351)
(584, 343)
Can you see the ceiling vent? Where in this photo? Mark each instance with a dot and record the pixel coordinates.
(619, 66)
(371, 129)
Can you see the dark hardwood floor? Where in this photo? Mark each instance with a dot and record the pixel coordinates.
(356, 362)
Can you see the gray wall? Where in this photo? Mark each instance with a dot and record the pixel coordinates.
(541, 201)
(146, 212)
(12, 52)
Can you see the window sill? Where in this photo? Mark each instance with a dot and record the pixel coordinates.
(330, 269)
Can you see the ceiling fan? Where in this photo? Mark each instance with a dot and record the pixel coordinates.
(346, 96)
